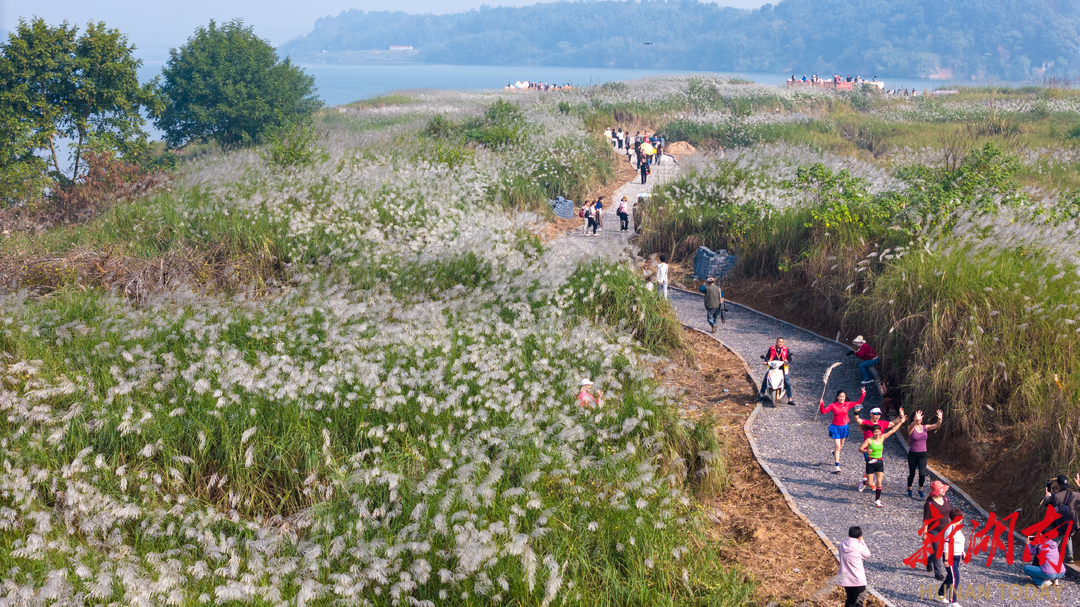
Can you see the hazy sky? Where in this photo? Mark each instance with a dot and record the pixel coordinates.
(155, 26)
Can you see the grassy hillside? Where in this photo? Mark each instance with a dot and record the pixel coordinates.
(351, 379)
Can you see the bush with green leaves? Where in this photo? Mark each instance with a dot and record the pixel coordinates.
(228, 86)
(57, 84)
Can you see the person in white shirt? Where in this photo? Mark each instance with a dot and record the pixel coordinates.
(662, 274)
(953, 553)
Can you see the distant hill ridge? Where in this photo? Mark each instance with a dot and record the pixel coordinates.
(1003, 39)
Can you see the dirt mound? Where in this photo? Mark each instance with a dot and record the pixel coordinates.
(679, 149)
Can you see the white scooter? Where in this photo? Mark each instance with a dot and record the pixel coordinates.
(774, 383)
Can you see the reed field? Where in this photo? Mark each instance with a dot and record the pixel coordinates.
(944, 227)
(350, 378)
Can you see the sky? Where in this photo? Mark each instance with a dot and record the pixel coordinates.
(155, 26)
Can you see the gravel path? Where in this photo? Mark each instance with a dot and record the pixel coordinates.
(663, 171)
(794, 442)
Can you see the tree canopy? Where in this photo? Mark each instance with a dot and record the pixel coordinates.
(227, 85)
(59, 86)
(1006, 39)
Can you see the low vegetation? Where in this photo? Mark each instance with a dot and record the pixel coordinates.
(361, 390)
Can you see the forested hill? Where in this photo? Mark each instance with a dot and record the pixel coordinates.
(1006, 39)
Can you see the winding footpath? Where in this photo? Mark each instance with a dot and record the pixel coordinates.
(792, 443)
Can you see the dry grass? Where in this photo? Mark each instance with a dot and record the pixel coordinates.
(762, 535)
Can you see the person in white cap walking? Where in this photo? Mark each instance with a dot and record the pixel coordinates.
(868, 356)
(587, 400)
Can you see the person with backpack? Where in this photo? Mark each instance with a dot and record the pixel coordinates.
(852, 552)
(1064, 502)
(624, 214)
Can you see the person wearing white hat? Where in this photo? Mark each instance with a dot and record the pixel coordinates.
(585, 399)
(868, 356)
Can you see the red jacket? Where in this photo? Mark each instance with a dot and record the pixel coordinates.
(866, 352)
(774, 354)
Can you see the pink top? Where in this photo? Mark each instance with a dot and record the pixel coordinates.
(852, 552)
(840, 410)
(584, 399)
(917, 440)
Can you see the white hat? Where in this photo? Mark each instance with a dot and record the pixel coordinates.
(858, 340)
(586, 382)
(875, 411)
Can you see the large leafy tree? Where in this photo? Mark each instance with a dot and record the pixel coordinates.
(58, 86)
(227, 85)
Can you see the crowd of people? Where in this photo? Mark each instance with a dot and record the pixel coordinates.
(536, 86)
(940, 519)
(642, 148)
(849, 82)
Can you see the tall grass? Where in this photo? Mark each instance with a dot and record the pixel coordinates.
(396, 423)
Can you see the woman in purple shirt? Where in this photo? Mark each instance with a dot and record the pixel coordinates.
(916, 457)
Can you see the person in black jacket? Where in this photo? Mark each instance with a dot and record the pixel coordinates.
(1064, 496)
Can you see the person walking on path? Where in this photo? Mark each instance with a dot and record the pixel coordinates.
(590, 217)
(838, 429)
(643, 167)
(714, 301)
(1045, 569)
(852, 576)
(624, 214)
(587, 400)
(875, 447)
(599, 213)
(868, 356)
(935, 513)
(778, 352)
(955, 545)
(585, 219)
(916, 457)
(867, 426)
(662, 275)
(1064, 502)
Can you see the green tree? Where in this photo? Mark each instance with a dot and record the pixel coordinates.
(227, 85)
(57, 85)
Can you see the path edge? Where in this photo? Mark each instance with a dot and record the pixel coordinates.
(748, 432)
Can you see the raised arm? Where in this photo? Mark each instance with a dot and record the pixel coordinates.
(916, 419)
(822, 408)
(895, 427)
(937, 424)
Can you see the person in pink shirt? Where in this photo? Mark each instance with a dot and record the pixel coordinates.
(587, 400)
(852, 575)
(838, 429)
(868, 357)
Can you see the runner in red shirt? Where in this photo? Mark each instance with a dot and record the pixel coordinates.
(838, 429)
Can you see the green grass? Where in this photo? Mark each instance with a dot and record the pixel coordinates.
(381, 101)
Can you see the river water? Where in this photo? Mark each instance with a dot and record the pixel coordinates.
(341, 84)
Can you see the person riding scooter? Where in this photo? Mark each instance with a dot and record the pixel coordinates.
(778, 352)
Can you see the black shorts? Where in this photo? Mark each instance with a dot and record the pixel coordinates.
(877, 465)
